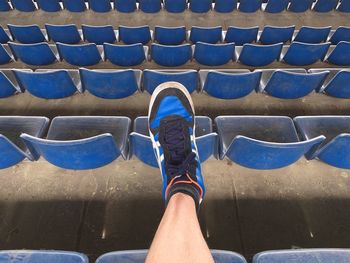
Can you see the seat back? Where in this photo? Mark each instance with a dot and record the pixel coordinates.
(170, 35)
(150, 6)
(344, 6)
(135, 35)
(100, 6)
(337, 84)
(241, 35)
(200, 6)
(175, 6)
(298, 6)
(99, 34)
(27, 34)
(313, 35)
(220, 54)
(125, 6)
(210, 35)
(8, 84)
(33, 54)
(79, 55)
(171, 56)
(249, 6)
(49, 5)
(74, 5)
(342, 33)
(4, 6)
(325, 5)
(67, 34)
(276, 6)
(125, 55)
(341, 54)
(4, 55)
(273, 35)
(23, 5)
(4, 37)
(259, 55)
(225, 6)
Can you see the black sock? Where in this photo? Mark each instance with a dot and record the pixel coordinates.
(188, 189)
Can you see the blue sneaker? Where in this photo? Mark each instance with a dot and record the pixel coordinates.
(172, 130)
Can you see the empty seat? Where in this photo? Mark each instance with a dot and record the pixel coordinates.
(125, 55)
(312, 35)
(344, 6)
(4, 55)
(273, 35)
(67, 34)
(12, 149)
(153, 78)
(4, 6)
(241, 35)
(175, 6)
(170, 35)
(110, 84)
(200, 6)
(171, 56)
(8, 84)
(211, 35)
(298, 6)
(81, 143)
(36, 256)
(23, 5)
(225, 6)
(291, 84)
(229, 84)
(259, 55)
(214, 54)
(134, 35)
(325, 5)
(261, 142)
(340, 55)
(49, 5)
(303, 54)
(49, 84)
(150, 6)
(28, 34)
(33, 54)
(125, 6)
(99, 34)
(79, 55)
(276, 6)
(249, 6)
(342, 33)
(100, 6)
(74, 5)
(4, 37)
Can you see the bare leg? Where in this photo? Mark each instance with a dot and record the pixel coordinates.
(179, 238)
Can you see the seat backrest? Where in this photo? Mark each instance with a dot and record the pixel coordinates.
(28, 34)
(49, 5)
(344, 6)
(150, 6)
(341, 54)
(220, 54)
(210, 35)
(338, 85)
(23, 5)
(125, 6)
(99, 34)
(260, 55)
(33, 54)
(4, 6)
(170, 35)
(125, 55)
(8, 84)
(100, 6)
(273, 35)
(200, 6)
(67, 34)
(79, 55)
(276, 6)
(4, 55)
(134, 35)
(171, 56)
(313, 35)
(342, 33)
(74, 5)
(225, 6)
(249, 6)
(298, 6)
(241, 35)
(175, 6)
(325, 5)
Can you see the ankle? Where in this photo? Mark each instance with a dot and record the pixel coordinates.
(184, 193)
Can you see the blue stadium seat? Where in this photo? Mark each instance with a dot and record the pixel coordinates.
(99, 34)
(340, 55)
(249, 6)
(8, 84)
(12, 148)
(225, 6)
(79, 55)
(67, 34)
(335, 150)
(210, 35)
(125, 55)
(170, 35)
(49, 84)
(100, 6)
(49, 5)
(110, 84)
(259, 55)
(4, 37)
(273, 35)
(150, 6)
(134, 35)
(299, 6)
(325, 5)
(74, 5)
(153, 78)
(241, 35)
(4, 55)
(81, 143)
(229, 84)
(33, 54)
(291, 84)
(342, 33)
(261, 142)
(214, 54)
(4, 6)
(175, 6)
(303, 256)
(344, 6)
(313, 35)
(23, 5)
(171, 56)
(276, 6)
(200, 6)
(125, 6)
(28, 34)
(303, 54)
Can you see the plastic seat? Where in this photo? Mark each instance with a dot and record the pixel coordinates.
(313, 35)
(125, 55)
(259, 55)
(27, 34)
(225, 6)
(12, 149)
(67, 34)
(4, 6)
(214, 54)
(49, 5)
(74, 5)
(273, 35)
(335, 150)
(261, 142)
(175, 6)
(249, 6)
(276, 6)
(33, 54)
(99, 34)
(342, 33)
(81, 143)
(23, 5)
(229, 84)
(153, 78)
(36, 256)
(49, 84)
(303, 54)
(4, 37)
(171, 56)
(241, 35)
(111, 84)
(291, 84)
(325, 5)
(8, 84)
(200, 6)
(150, 6)
(4, 56)
(344, 6)
(134, 35)
(100, 6)
(79, 55)
(298, 6)
(170, 35)
(340, 55)
(210, 35)
(125, 6)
